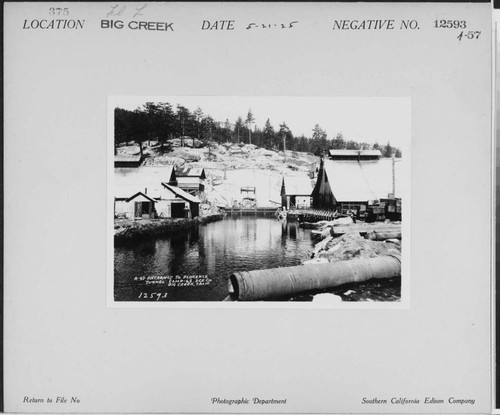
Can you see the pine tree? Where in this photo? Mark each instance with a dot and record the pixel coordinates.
(387, 150)
(238, 126)
(338, 142)
(269, 135)
(249, 121)
(284, 132)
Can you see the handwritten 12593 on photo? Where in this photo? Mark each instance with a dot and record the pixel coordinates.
(245, 199)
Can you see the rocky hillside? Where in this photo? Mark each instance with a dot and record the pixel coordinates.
(229, 167)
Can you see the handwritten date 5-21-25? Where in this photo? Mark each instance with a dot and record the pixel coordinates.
(288, 25)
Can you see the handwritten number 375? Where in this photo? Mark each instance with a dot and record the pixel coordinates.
(58, 11)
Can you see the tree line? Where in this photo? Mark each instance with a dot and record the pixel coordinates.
(161, 122)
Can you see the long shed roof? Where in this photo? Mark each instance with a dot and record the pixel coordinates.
(127, 158)
(181, 193)
(146, 179)
(365, 180)
(355, 154)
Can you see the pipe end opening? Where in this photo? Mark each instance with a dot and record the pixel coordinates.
(234, 289)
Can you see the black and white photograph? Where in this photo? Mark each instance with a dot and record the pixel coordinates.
(236, 199)
(248, 207)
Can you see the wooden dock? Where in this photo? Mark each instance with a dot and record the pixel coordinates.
(311, 215)
(251, 211)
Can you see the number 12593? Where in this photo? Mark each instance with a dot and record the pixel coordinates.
(450, 24)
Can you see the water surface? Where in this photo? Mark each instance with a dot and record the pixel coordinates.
(207, 255)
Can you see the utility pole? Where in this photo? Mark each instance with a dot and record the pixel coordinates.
(393, 176)
(394, 161)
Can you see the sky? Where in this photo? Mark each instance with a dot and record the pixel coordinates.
(362, 119)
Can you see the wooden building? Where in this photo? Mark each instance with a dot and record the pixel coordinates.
(354, 155)
(176, 203)
(296, 192)
(128, 161)
(138, 206)
(155, 190)
(352, 180)
(191, 180)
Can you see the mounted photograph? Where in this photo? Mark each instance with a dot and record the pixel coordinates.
(259, 199)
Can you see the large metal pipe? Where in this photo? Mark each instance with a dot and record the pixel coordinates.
(289, 281)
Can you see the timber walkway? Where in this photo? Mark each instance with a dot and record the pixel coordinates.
(311, 215)
(252, 211)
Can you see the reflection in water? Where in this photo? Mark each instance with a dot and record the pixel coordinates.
(216, 249)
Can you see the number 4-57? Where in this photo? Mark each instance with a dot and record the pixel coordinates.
(469, 35)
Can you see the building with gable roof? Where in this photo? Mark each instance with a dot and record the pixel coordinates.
(191, 179)
(352, 180)
(150, 192)
(137, 206)
(296, 192)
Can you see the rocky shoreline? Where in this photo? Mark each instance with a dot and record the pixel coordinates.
(127, 231)
(349, 246)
